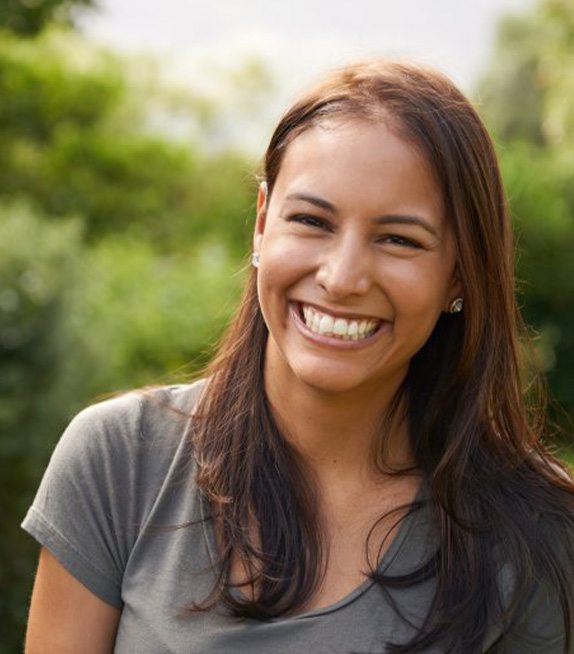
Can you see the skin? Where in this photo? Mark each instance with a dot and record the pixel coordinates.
(65, 617)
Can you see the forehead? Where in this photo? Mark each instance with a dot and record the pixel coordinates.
(357, 161)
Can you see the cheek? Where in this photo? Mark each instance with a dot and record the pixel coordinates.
(278, 272)
(284, 261)
(418, 287)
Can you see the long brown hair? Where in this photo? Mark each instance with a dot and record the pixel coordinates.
(493, 487)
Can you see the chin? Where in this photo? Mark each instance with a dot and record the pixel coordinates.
(331, 380)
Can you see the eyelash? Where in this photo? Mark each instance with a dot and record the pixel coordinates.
(403, 241)
(310, 221)
(394, 239)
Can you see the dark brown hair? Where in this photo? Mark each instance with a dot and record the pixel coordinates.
(493, 487)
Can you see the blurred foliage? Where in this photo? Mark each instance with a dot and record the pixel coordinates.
(28, 17)
(154, 314)
(527, 97)
(74, 141)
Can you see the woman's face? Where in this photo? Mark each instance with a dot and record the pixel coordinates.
(357, 261)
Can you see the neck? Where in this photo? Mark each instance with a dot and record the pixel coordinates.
(340, 433)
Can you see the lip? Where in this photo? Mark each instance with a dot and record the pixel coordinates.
(332, 341)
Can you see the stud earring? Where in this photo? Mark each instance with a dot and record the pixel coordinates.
(255, 259)
(456, 305)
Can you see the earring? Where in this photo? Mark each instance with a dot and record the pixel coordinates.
(456, 305)
(255, 259)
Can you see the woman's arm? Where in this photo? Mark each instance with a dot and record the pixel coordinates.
(65, 617)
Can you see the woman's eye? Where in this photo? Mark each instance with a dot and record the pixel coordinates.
(403, 241)
(310, 221)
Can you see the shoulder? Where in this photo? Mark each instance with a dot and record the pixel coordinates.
(105, 476)
(538, 627)
(539, 577)
(123, 411)
(132, 420)
(118, 452)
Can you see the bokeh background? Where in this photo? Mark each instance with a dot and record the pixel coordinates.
(129, 141)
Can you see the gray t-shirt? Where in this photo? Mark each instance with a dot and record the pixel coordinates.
(118, 507)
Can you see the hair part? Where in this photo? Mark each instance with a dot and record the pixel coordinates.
(493, 487)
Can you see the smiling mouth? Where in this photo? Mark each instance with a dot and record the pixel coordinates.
(346, 329)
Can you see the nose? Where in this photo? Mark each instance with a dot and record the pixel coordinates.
(344, 269)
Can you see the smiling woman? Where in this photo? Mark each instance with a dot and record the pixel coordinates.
(359, 471)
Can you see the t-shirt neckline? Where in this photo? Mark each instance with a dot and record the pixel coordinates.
(386, 561)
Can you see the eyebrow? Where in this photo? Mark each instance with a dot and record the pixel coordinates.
(313, 199)
(387, 219)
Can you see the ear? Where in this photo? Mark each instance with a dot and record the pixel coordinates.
(260, 217)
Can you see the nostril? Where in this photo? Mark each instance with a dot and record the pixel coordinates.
(341, 282)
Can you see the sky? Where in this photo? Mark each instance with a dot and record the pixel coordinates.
(299, 39)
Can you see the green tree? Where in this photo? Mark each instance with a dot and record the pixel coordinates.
(29, 17)
(73, 140)
(527, 96)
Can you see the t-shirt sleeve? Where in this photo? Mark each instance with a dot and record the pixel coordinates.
(85, 511)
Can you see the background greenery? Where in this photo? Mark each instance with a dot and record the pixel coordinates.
(121, 247)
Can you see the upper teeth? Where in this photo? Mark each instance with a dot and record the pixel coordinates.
(323, 323)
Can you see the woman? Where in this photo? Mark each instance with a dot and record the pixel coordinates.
(358, 474)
